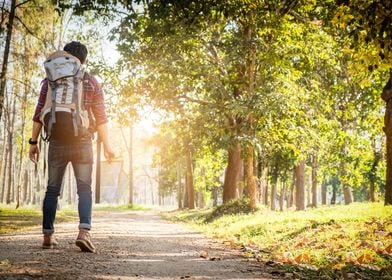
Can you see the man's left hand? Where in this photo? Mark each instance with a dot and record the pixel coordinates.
(109, 153)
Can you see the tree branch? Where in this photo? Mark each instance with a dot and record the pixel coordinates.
(21, 4)
(28, 30)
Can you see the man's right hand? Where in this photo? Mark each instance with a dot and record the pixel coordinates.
(34, 153)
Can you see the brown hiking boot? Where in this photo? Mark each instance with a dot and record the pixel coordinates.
(84, 241)
(49, 242)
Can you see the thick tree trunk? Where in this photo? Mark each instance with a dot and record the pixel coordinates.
(372, 191)
(314, 181)
(300, 185)
(3, 74)
(232, 173)
(250, 178)
(189, 179)
(386, 96)
(347, 192)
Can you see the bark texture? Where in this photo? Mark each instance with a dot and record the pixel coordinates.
(386, 96)
(232, 173)
(3, 75)
(300, 185)
(250, 178)
(189, 180)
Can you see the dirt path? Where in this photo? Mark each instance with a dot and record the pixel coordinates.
(137, 245)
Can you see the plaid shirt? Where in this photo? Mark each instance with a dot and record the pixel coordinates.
(93, 99)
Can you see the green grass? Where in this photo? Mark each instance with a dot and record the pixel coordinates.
(15, 220)
(125, 207)
(327, 238)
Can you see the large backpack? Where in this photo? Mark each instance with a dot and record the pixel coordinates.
(64, 115)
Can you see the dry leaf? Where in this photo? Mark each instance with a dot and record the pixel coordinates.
(302, 258)
(389, 249)
(204, 255)
(365, 258)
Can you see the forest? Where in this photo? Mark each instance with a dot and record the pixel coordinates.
(264, 123)
(281, 102)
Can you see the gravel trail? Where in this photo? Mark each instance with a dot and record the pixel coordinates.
(130, 245)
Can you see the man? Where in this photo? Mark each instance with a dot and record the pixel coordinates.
(65, 147)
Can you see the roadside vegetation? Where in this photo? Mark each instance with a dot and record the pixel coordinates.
(16, 220)
(325, 242)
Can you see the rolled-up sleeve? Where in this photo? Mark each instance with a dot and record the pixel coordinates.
(41, 101)
(97, 102)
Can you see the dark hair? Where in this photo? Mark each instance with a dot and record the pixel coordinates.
(77, 49)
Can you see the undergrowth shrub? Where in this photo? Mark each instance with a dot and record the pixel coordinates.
(238, 206)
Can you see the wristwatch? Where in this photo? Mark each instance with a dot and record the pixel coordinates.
(31, 142)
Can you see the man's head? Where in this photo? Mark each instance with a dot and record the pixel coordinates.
(77, 49)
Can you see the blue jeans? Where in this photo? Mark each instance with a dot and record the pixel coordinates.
(80, 154)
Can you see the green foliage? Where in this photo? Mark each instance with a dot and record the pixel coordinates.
(293, 79)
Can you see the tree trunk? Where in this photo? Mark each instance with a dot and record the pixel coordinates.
(292, 190)
(130, 171)
(261, 178)
(282, 196)
(189, 179)
(232, 173)
(69, 193)
(266, 191)
(373, 173)
(274, 182)
(324, 194)
(215, 197)
(334, 193)
(3, 75)
(314, 180)
(179, 186)
(11, 125)
(300, 185)
(347, 192)
(250, 178)
(386, 96)
(4, 164)
(98, 173)
(25, 185)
